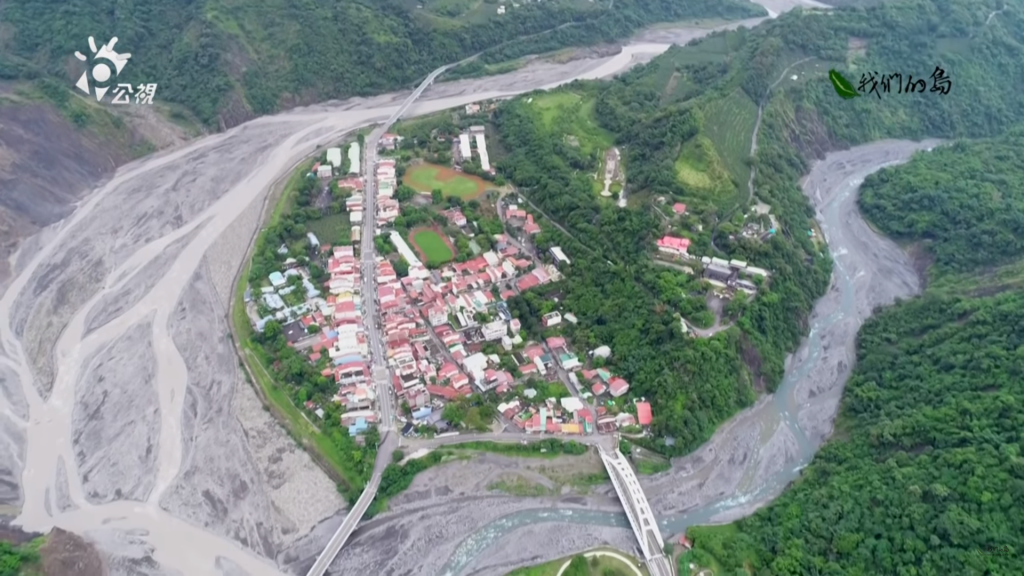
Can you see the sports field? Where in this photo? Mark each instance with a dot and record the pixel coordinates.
(433, 248)
(427, 177)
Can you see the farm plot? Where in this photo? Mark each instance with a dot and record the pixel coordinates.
(434, 249)
(427, 177)
(729, 123)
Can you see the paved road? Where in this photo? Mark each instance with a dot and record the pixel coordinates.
(371, 321)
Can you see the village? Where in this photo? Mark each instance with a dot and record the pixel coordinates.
(458, 359)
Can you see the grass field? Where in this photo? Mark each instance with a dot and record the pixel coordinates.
(569, 114)
(701, 170)
(427, 177)
(603, 566)
(433, 248)
(330, 229)
(729, 123)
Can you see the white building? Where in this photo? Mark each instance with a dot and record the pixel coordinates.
(494, 330)
(404, 251)
(325, 171)
(353, 158)
(481, 148)
(559, 256)
(464, 151)
(355, 216)
(475, 365)
(334, 157)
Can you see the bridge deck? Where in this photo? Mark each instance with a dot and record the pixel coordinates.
(638, 510)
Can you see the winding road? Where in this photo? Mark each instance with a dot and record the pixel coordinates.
(118, 245)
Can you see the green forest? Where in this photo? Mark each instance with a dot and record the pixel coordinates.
(924, 474)
(928, 476)
(14, 560)
(966, 217)
(657, 111)
(232, 58)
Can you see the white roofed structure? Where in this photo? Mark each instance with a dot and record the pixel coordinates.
(405, 251)
(353, 158)
(334, 157)
(481, 148)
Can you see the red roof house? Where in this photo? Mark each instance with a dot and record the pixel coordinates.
(617, 386)
(673, 245)
(643, 413)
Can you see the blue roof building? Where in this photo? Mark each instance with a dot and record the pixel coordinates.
(359, 426)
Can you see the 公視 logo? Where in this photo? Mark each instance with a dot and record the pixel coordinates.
(104, 67)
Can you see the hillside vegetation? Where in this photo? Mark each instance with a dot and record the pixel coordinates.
(968, 216)
(928, 476)
(685, 120)
(230, 59)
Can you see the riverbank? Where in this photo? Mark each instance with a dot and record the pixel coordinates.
(170, 231)
(253, 359)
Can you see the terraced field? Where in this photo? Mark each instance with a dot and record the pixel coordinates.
(729, 124)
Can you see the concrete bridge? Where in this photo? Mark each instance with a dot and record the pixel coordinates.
(639, 512)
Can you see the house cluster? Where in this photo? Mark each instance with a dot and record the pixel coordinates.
(289, 294)
(387, 181)
(550, 416)
(338, 341)
(476, 134)
(718, 272)
(437, 321)
(387, 206)
(608, 422)
(518, 217)
(726, 274)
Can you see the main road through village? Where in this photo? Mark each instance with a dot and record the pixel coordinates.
(131, 292)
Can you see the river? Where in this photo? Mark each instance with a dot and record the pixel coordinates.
(870, 271)
(206, 196)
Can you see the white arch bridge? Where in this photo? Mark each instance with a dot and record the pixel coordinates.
(638, 510)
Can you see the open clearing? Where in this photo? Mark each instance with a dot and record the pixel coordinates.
(427, 177)
(331, 229)
(700, 168)
(573, 116)
(432, 246)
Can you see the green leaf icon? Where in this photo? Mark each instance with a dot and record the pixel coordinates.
(842, 85)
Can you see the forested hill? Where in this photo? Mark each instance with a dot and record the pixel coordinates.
(244, 57)
(969, 218)
(684, 124)
(928, 476)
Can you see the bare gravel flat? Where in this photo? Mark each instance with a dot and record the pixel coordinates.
(114, 427)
